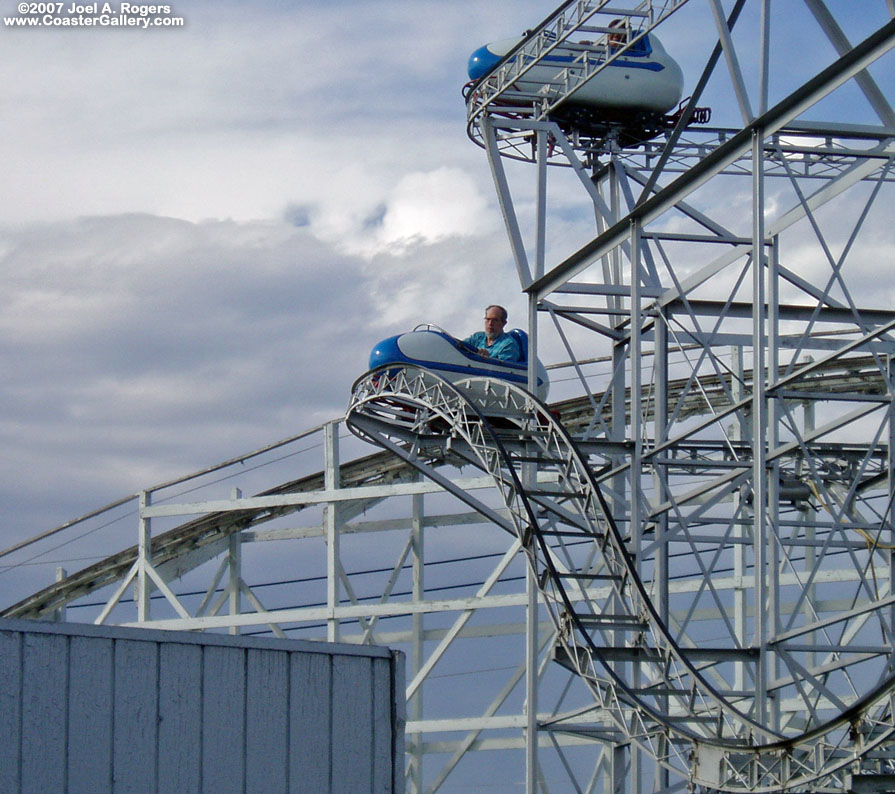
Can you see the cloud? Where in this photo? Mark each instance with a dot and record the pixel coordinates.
(206, 229)
(421, 207)
(238, 115)
(137, 347)
(434, 205)
(183, 333)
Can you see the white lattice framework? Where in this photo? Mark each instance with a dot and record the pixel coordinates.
(726, 380)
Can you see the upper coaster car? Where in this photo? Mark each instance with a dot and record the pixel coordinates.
(639, 84)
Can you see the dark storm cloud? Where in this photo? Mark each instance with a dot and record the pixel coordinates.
(170, 341)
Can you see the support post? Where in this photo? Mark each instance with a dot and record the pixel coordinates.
(144, 543)
(417, 650)
(531, 682)
(234, 568)
(760, 537)
(59, 614)
(331, 520)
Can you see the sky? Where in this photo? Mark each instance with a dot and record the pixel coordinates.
(204, 229)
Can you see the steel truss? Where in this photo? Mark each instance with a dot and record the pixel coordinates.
(218, 571)
(775, 502)
(742, 445)
(678, 703)
(212, 573)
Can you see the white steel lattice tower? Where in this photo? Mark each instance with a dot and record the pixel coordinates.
(682, 574)
(743, 439)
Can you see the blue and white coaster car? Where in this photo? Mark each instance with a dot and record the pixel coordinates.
(431, 348)
(644, 78)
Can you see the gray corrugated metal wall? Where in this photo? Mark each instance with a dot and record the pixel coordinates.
(95, 709)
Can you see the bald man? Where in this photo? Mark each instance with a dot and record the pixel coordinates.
(493, 342)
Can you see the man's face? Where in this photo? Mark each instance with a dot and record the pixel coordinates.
(494, 324)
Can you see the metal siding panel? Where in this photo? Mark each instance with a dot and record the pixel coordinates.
(399, 717)
(10, 709)
(135, 734)
(139, 713)
(352, 718)
(90, 706)
(267, 721)
(382, 726)
(180, 718)
(223, 719)
(44, 700)
(310, 710)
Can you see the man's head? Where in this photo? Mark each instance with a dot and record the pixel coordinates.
(495, 320)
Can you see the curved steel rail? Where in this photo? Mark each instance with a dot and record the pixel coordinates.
(675, 702)
(858, 375)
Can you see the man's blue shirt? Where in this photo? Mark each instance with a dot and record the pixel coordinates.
(504, 348)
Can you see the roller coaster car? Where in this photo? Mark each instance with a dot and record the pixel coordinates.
(633, 93)
(429, 347)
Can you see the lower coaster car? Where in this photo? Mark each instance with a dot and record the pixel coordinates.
(431, 348)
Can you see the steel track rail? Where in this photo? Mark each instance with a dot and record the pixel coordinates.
(376, 469)
(859, 375)
(648, 685)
